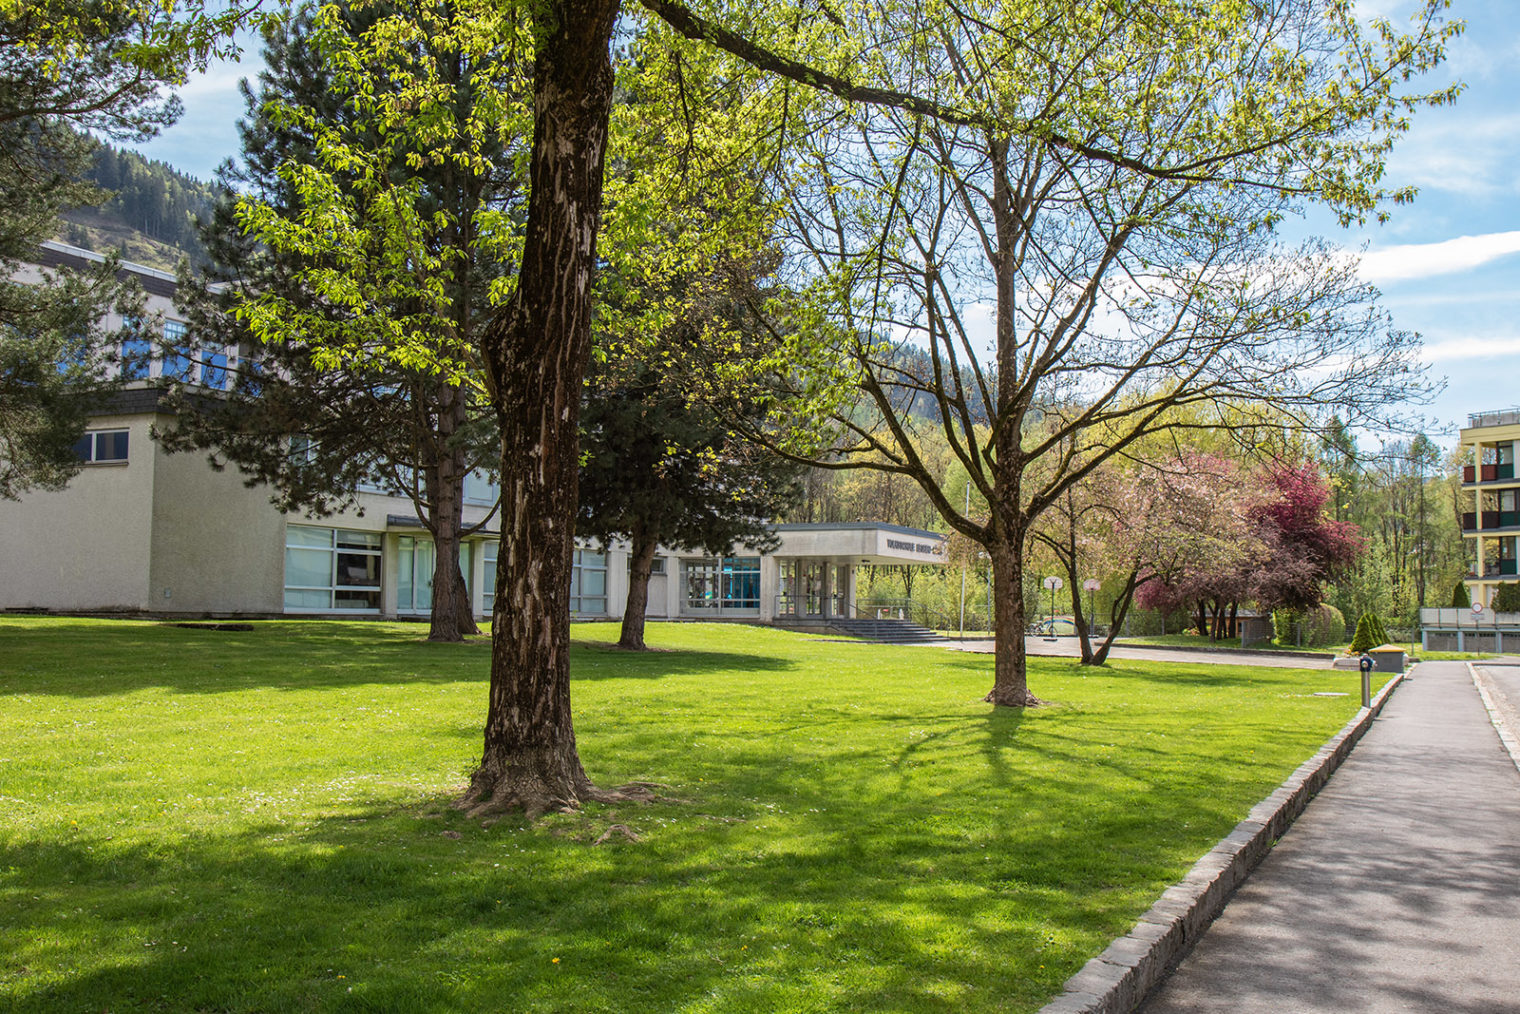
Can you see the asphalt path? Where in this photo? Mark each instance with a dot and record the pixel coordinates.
(1069, 647)
(1398, 889)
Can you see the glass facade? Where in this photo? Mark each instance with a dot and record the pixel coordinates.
(329, 569)
(414, 575)
(724, 584)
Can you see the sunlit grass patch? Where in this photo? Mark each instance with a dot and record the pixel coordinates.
(259, 820)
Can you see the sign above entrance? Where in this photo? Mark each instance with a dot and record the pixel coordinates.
(914, 547)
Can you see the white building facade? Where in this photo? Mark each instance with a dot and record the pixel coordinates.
(143, 532)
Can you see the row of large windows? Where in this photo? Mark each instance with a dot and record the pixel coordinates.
(331, 569)
(207, 365)
(730, 582)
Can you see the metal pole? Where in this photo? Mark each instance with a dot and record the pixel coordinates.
(1366, 688)
(963, 568)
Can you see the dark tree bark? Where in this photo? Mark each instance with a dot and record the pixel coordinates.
(536, 353)
(1010, 679)
(642, 560)
(451, 617)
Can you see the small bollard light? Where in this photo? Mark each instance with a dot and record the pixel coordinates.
(1366, 666)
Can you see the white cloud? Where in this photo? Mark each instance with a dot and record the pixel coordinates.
(1423, 260)
(1458, 349)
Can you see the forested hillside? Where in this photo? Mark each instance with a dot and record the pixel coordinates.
(150, 216)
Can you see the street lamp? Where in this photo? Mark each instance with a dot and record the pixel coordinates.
(1091, 585)
(1054, 584)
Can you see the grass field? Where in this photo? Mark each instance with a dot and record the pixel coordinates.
(259, 821)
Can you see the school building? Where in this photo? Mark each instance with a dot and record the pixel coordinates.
(143, 532)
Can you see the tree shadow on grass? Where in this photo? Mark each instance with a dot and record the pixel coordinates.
(107, 659)
(397, 911)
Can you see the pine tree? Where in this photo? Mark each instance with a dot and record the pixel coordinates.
(326, 375)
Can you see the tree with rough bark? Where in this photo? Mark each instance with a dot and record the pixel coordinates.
(355, 251)
(1288, 98)
(69, 68)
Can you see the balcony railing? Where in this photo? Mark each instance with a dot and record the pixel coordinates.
(1495, 568)
(1508, 417)
(1491, 520)
(1488, 473)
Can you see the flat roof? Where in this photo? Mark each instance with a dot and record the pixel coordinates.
(857, 526)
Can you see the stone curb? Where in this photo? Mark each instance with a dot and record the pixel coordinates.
(1496, 715)
(1116, 981)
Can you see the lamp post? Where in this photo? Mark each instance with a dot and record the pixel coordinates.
(1053, 583)
(963, 568)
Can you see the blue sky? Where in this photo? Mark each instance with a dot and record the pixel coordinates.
(1448, 265)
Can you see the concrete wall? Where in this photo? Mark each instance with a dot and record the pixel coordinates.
(218, 546)
(86, 547)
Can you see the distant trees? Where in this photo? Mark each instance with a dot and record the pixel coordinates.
(1088, 302)
(1282, 558)
(67, 67)
(149, 197)
(1143, 526)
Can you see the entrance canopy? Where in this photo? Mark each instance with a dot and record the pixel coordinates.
(861, 544)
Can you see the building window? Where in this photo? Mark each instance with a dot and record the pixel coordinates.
(732, 582)
(136, 352)
(214, 366)
(102, 447)
(328, 569)
(656, 566)
(178, 363)
(488, 581)
(414, 575)
(479, 489)
(588, 583)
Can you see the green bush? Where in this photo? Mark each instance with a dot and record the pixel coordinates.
(1324, 625)
(1369, 634)
(1282, 625)
(1459, 598)
(1507, 600)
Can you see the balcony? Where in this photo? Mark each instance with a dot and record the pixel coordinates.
(1509, 417)
(1491, 520)
(1488, 473)
(1495, 568)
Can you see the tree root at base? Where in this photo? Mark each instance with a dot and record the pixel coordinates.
(1021, 699)
(534, 798)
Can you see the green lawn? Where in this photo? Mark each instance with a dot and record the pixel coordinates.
(258, 821)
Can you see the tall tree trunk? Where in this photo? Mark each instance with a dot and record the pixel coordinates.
(644, 545)
(451, 616)
(1116, 614)
(1010, 679)
(536, 353)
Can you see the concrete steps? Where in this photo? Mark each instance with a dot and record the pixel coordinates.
(886, 631)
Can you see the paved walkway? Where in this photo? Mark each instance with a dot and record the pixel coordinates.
(1399, 887)
(1068, 647)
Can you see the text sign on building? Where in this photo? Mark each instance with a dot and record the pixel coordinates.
(913, 547)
